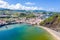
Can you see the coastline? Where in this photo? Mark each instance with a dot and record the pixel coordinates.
(55, 34)
(9, 26)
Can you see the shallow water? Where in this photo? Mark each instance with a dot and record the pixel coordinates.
(24, 32)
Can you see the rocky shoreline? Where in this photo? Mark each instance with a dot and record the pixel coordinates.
(1, 25)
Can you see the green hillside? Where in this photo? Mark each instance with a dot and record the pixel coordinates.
(52, 22)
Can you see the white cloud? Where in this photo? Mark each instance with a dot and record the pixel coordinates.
(29, 3)
(18, 6)
(3, 4)
(50, 9)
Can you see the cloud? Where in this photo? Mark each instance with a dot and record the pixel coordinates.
(18, 6)
(3, 4)
(29, 3)
(50, 9)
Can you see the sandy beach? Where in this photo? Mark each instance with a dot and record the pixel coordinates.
(52, 32)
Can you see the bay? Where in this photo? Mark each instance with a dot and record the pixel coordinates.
(25, 32)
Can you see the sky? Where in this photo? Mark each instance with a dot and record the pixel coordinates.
(49, 5)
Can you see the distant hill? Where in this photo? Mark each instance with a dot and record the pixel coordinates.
(52, 22)
(2, 9)
(39, 11)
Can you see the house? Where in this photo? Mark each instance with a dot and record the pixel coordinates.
(5, 16)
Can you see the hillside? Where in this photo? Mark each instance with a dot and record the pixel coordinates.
(52, 22)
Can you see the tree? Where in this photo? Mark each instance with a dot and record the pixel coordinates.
(30, 15)
(22, 15)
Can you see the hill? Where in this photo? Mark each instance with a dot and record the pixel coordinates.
(2, 9)
(52, 22)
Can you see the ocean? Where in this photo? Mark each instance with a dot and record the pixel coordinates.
(25, 32)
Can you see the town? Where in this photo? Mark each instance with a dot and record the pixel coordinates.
(11, 17)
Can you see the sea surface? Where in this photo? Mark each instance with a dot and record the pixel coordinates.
(24, 32)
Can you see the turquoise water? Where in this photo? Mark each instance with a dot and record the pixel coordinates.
(24, 32)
